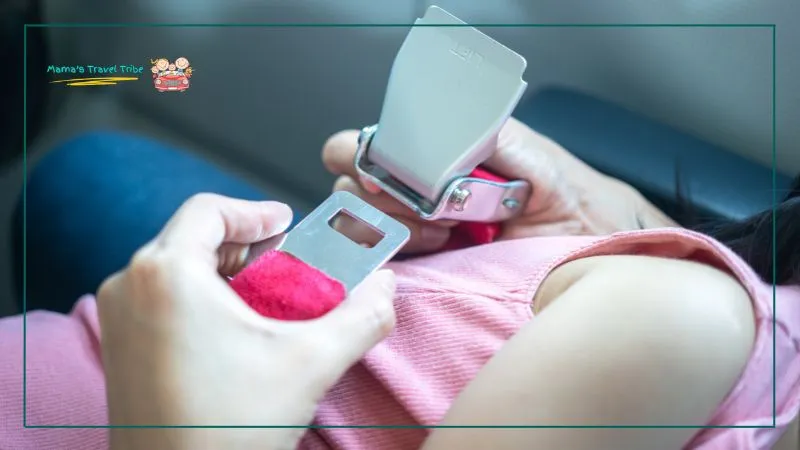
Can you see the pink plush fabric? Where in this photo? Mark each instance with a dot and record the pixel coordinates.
(279, 286)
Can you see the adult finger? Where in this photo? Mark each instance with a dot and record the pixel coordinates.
(385, 202)
(424, 238)
(107, 292)
(338, 156)
(359, 323)
(519, 155)
(339, 152)
(524, 153)
(206, 221)
(381, 201)
(235, 257)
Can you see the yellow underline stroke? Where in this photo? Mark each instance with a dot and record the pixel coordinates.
(95, 81)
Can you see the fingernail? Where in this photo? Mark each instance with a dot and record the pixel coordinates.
(380, 286)
(434, 233)
(383, 305)
(385, 278)
(241, 258)
(283, 218)
(280, 227)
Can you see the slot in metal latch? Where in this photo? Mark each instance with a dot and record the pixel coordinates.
(315, 241)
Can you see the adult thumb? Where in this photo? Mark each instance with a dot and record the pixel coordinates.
(364, 319)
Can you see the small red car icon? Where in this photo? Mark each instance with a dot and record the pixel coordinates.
(171, 82)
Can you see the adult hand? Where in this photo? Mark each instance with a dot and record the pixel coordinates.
(179, 347)
(569, 197)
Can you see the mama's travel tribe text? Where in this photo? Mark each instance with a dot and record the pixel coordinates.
(97, 70)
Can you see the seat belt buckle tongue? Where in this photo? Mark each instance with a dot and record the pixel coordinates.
(310, 270)
(317, 242)
(451, 89)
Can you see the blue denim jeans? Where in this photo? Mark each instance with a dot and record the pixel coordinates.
(93, 201)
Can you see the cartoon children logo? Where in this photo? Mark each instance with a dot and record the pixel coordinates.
(171, 76)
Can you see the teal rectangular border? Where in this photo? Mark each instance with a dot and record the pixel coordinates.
(771, 27)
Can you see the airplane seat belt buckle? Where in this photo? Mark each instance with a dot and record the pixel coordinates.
(313, 267)
(450, 91)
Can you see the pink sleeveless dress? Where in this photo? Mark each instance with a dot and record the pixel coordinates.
(455, 311)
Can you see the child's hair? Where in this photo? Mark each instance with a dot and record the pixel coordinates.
(752, 239)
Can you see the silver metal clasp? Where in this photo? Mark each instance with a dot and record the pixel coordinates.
(316, 242)
(450, 91)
